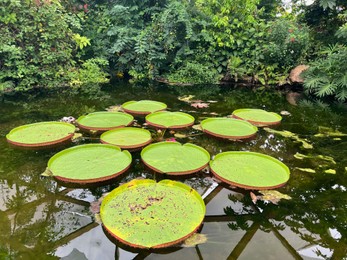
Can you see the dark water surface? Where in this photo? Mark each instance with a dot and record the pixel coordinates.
(42, 220)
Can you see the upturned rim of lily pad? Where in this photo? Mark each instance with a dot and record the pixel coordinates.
(11, 136)
(131, 107)
(113, 134)
(163, 208)
(161, 119)
(89, 162)
(172, 155)
(249, 173)
(233, 123)
(252, 115)
(83, 123)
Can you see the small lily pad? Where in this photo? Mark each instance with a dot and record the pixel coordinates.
(41, 134)
(89, 163)
(250, 170)
(127, 137)
(257, 117)
(143, 107)
(172, 120)
(103, 121)
(228, 128)
(146, 214)
(174, 158)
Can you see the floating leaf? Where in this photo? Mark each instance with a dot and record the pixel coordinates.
(186, 98)
(285, 113)
(152, 215)
(127, 137)
(197, 127)
(257, 117)
(116, 108)
(41, 134)
(328, 132)
(330, 171)
(273, 196)
(172, 120)
(143, 107)
(228, 128)
(47, 173)
(76, 137)
(306, 170)
(89, 163)
(178, 135)
(174, 158)
(322, 157)
(194, 240)
(291, 135)
(103, 121)
(199, 105)
(250, 170)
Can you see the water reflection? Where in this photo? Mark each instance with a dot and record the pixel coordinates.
(45, 219)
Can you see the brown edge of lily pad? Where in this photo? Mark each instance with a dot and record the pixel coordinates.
(91, 181)
(64, 140)
(229, 136)
(129, 147)
(140, 113)
(100, 129)
(247, 187)
(175, 173)
(258, 123)
(176, 127)
(177, 241)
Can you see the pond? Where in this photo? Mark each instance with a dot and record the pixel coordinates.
(40, 219)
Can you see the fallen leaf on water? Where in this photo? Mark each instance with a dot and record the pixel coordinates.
(47, 173)
(199, 105)
(194, 240)
(322, 157)
(305, 170)
(273, 196)
(291, 135)
(197, 127)
(330, 171)
(285, 113)
(186, 98)
(212, 101)
(115, 108)
(327, 131)
(253, 197)
(76, 137)
(97, 218)
(178, 135)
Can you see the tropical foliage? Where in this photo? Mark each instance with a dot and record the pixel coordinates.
(81, 44)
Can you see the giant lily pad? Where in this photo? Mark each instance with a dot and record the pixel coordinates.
(89, 163)
(174, 158)
(257, 117)
(143, 107)
(103, 121)
(41, 134)
(173, 120)
(127, 137)
(228, 128)
(146, 214)
(250, 170)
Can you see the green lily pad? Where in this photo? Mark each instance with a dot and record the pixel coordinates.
(250, 170)
(143, 107)
(41, 134)
(146, 214)
(174, 158)
(89, 163)
(127, 137)
(172, 120)
(257, 117)
(103, 121)
(228, 128)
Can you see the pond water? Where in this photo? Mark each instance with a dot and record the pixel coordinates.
(40, 219)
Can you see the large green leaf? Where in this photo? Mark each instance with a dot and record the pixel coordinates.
(175, 158)
(146, 214)
(143, 107)
(250, 170)
(102, 121)
(257, 117)
(228, 128)
(173, 120)
(40, 134)
(127, 137)
(89, 163)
